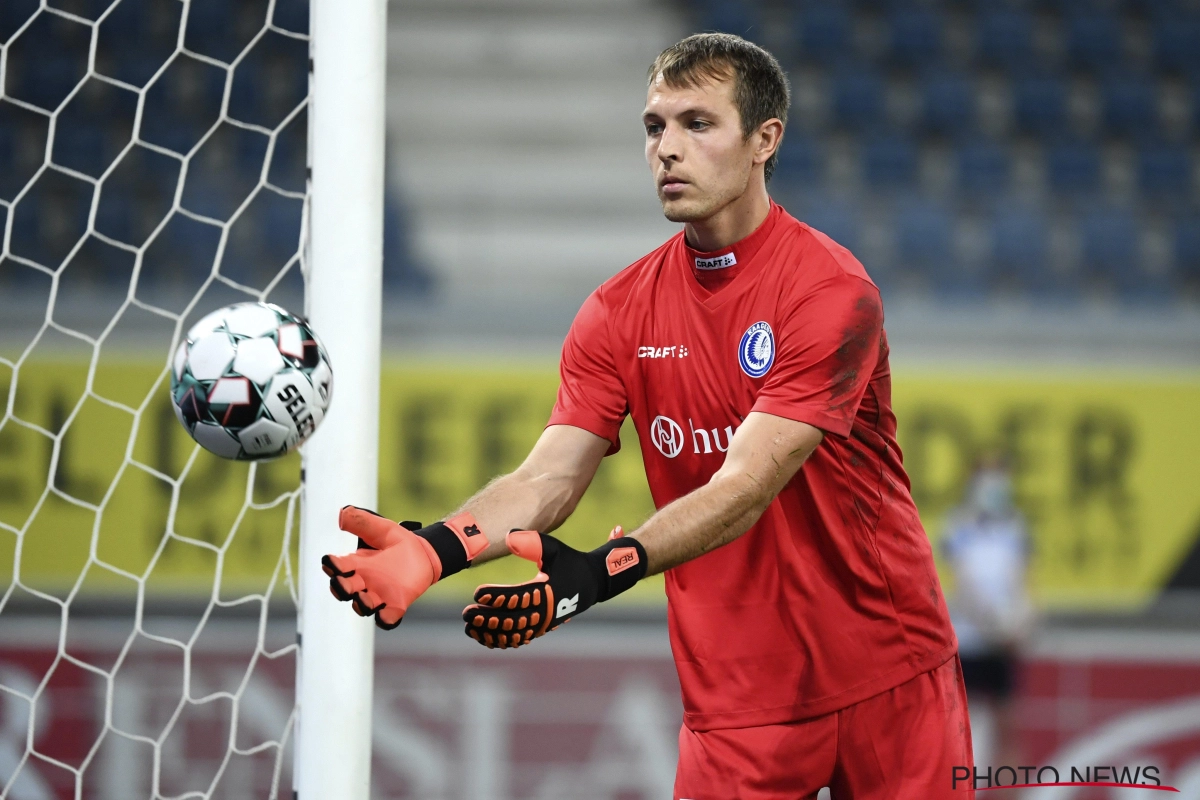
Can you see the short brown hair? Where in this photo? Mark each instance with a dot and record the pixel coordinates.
(760, 87)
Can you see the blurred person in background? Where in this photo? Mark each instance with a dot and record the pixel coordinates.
(987, 548)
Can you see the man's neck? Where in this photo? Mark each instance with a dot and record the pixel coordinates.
(731, 224)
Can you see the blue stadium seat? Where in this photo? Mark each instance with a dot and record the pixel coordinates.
(246, 95)
(291, 15)
(889, 161)
(916, 35)
(823, 31)
(283, 226)
(837, 220)
(8, 149)
(19, 166)
(1020, 247)
(114, 215)
(1093, 40)
(93, 127)
(1165, 170)
(984, 167)
(1005, 37)
(1109, 238)
(801, 162)
(197, 238)
(925, 242)
(182, 255)
(1187, 250)
(251, 150)
(1039, 104)
(47, 79)
(14, 14)
(132, 49)
(949, 103)
(858, 99)
(730, 16)
(1146, 8)
(81, 148)
(1175, 35)
(221, 29)
(288, 165)
(1073, 167)
(1129, 104)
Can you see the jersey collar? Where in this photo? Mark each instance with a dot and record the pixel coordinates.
(741, 255)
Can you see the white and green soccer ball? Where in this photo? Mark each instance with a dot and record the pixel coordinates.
(251, 381)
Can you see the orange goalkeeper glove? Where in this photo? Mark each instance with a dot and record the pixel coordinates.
(397, 562)
(568, 583)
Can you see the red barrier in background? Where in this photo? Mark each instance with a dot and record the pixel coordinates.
(591, 712)
(1112, 699)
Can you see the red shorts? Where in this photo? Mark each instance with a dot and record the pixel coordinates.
(899, 745)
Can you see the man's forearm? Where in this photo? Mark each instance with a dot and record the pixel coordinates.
(519, 501)
(713, 515)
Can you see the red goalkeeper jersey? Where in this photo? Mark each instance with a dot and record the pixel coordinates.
(831, 597)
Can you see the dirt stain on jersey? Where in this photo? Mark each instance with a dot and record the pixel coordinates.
(860, 338)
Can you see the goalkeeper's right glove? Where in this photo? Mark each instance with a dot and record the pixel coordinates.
(568, 583)
(397, 562)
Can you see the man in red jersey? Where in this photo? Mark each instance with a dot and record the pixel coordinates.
(807, 623)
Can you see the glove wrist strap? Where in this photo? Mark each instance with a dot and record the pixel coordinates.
(456, 541)
(620, 563)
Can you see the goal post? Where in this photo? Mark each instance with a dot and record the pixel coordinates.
(335, 669)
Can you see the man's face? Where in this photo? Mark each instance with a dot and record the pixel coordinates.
(694, 144)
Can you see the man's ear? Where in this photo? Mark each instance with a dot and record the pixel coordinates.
(767, 140)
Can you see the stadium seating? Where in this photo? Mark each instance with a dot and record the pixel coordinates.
(984, 167)
(137, 44)
(948, 103)
(1004, 37)
(1039, 104)
(1035, 122)
(1038, 120)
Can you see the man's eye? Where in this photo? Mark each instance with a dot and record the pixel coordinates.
(697, 125)
(652, 130)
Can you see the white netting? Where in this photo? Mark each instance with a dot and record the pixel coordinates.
(170, 181)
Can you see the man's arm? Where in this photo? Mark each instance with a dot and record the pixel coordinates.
(395, 564)
(765, 453)
(541, 493)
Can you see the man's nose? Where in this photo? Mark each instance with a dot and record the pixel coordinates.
(670, 144)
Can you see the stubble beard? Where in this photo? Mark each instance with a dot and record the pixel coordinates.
(696, 209)
(688, 211)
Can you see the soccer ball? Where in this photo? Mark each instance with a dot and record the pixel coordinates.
(250, 381)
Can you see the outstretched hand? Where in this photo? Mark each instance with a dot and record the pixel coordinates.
(391, 568)
(568, 583)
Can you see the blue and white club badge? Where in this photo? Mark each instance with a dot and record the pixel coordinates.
(756, 353)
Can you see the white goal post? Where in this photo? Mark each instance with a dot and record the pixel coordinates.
(346, 136)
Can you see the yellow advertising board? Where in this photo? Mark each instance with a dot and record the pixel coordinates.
(1104, 468)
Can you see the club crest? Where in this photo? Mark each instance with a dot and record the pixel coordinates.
(756, 353)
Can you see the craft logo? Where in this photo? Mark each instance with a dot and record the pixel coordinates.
(716, 262)
(1126, 777)
(756, 353)
(667, 436)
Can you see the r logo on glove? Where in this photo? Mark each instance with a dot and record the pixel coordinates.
(506, 616)
(397, 562)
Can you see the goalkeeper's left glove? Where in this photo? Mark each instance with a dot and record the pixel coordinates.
(568, 583)
(395, 563)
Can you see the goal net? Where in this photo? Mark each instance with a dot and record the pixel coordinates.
(152, 169)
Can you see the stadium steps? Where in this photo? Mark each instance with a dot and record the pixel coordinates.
(514, 137)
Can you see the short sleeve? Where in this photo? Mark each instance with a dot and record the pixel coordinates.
(591, 394)
(827, 348)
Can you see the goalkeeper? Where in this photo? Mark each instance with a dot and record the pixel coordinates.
(806, 619)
